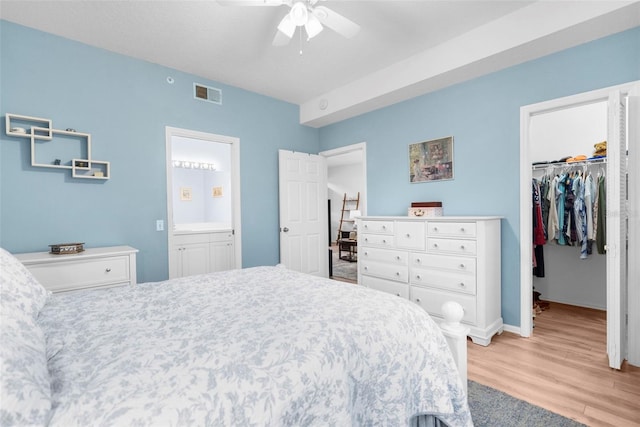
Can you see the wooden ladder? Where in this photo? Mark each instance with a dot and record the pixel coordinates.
(348, 205)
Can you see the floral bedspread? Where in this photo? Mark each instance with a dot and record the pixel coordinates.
(263, 346)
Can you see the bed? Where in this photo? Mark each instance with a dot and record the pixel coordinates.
(262, 346)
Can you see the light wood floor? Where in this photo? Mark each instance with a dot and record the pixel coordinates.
(563, 367)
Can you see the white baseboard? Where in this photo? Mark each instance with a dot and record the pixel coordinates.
(513, 329)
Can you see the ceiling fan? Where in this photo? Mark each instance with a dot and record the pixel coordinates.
(303, 13)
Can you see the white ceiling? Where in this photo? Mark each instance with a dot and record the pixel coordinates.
(404, 48)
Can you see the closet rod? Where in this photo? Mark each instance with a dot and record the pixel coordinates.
(601, 160)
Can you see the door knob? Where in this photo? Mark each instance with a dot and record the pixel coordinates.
(285, 229)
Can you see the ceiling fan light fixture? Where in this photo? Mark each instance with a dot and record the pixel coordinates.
(299, 13)
(313, 26)
(286, 26)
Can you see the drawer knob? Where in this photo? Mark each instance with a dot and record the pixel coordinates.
(462, 247)
(366, 226)
(417, 299)
(461, 284)
(462, 229)
(366, 239)
(366, 268)
(366, 253)
(435, 245)
(461, 265)
(397, 273)
(418, 260)
(408, 236)
(384, 241)
(108, 270)
(397, 295)
(435, 228)
(398, 257)
(384, 227)
(418, 277)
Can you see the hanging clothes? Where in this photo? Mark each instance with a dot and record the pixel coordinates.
(538, 223)
(552, 221)
(560, 205)
(569, 218)
(544, 201)
(601, 232)
(570, 208)
(589, 194)
(538, 230)
(580, 214)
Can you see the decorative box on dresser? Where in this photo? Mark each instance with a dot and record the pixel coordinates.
(436, 259)
(92, 268)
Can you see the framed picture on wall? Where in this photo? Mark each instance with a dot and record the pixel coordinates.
(431, 160)
(216, 191)
(185, 193)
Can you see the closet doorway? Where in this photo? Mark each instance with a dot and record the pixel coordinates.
(607, 282)
(203, 202)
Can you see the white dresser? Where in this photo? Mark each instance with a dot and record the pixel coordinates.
(434, 260)
(92, 268)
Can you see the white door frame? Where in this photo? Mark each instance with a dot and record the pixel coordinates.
(171, 132)
(362, 148)
(526, 278)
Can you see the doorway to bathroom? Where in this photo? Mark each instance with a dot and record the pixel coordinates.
(203, 202)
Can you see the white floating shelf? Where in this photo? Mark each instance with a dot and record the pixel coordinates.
(40, 130)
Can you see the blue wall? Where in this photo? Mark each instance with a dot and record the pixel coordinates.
(483, 116)
(125, 105)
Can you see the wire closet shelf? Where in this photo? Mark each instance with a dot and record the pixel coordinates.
(567, 165)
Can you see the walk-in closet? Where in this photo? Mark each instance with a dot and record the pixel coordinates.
(584, 145)
(592, 141)
(568, 152)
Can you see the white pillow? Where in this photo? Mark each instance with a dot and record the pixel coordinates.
(19, 289)
(25, 390)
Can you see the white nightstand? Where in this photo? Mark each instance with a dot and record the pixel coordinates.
(92, 268)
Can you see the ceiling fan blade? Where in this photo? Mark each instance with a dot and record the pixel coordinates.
(287, 26)
(280, 39)
(253, 2)
(336, 22)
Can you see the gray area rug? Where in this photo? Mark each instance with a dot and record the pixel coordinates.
(491, 407)
(344, 269)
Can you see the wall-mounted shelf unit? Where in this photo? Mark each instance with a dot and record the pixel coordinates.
(41, 133)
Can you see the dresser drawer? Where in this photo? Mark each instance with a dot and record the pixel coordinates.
(455, 246)
(383, 255)
(432, 299)
(410, 235)
(377, 239)
(378, 227)
(460, 282)
(452, 229)
(448, 262)
(82, 274)
(397, 273)
(394, 288)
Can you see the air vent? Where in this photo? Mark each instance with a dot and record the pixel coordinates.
(207, 93)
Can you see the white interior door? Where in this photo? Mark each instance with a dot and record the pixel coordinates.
(304, 243)
(616, 225)
(633, 280)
